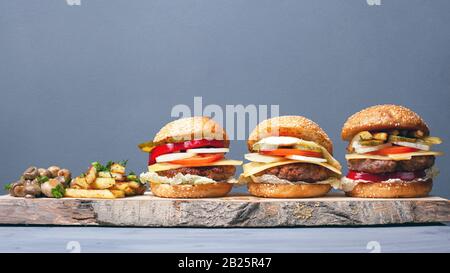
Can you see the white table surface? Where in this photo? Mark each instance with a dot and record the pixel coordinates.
(428, 238)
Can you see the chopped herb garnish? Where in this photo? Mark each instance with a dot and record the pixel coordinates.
(131, 178)
(99, 167)
(42, 179)
(123, 163)
(7, 187)
(58, 191)
(109, 164)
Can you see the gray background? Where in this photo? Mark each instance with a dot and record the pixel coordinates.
(89, 82)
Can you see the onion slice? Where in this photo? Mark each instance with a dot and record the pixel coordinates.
(367, 149)
(274, 142)
(255, 157)
(307, 158)
(416, 145)
(279, 140)
(208, 150)
(174, 156)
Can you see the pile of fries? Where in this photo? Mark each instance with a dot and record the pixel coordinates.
(105, 181)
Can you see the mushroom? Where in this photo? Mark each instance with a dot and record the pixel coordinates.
(66, 174)
(48, 186)
(61, 179)
(44, 172)
(17, 189)
(31, 173)
(54, 170)
(32, 188)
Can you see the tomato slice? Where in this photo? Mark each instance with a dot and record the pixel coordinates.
(199, 160)
(394, 150)
(182, 146)
(406, 176)
(203, 143)
(285, 152)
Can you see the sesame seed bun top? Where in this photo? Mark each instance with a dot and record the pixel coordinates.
(383, 117)
(294, 126)
(191, 128)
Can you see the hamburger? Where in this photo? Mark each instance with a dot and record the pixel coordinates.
(186, 160)
(389, 153)
(290, 157)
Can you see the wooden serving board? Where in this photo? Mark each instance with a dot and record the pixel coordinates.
(231, 211)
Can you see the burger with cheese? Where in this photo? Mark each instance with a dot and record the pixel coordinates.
(290, 157)
(186, 160)
(389, 153)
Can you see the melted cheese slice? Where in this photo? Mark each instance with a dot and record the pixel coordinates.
(256, 167)
(405, 156)
(158, 167)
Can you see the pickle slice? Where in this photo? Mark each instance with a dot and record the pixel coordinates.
(432, 140)
(401, 139)
(304, 147)
(380, 136)
(373, 142)
(365, 135)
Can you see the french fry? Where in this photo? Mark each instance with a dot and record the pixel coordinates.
(118, 177)
(118, 194)
(79, 183)
(121, 186)
(117, 168)
(130, 188)
(104, 174)
(91, 175)
(102, 183)
(124, 187)
(101, 194)
(138, 188)
(134, 184)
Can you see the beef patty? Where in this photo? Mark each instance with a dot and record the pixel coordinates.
(305, 172)
(416, 163)
(217, 173)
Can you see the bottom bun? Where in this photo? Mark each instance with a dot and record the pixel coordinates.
(288, 190)
(191, 191)
(391, 190)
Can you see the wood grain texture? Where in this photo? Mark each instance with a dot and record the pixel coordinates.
(232, 211)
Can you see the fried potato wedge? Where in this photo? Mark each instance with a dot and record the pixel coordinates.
(118, 193)
(100, 194)
(79, 183)
(130, 188)
(91, 175)
(104, 174)
(118, 177)
(117, 168)
(102, 183)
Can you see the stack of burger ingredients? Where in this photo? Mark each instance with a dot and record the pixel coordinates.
(390, 153)
(291, 157)
(187, 159)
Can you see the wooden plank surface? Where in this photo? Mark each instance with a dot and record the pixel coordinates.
(405, 238)
(231, 211)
